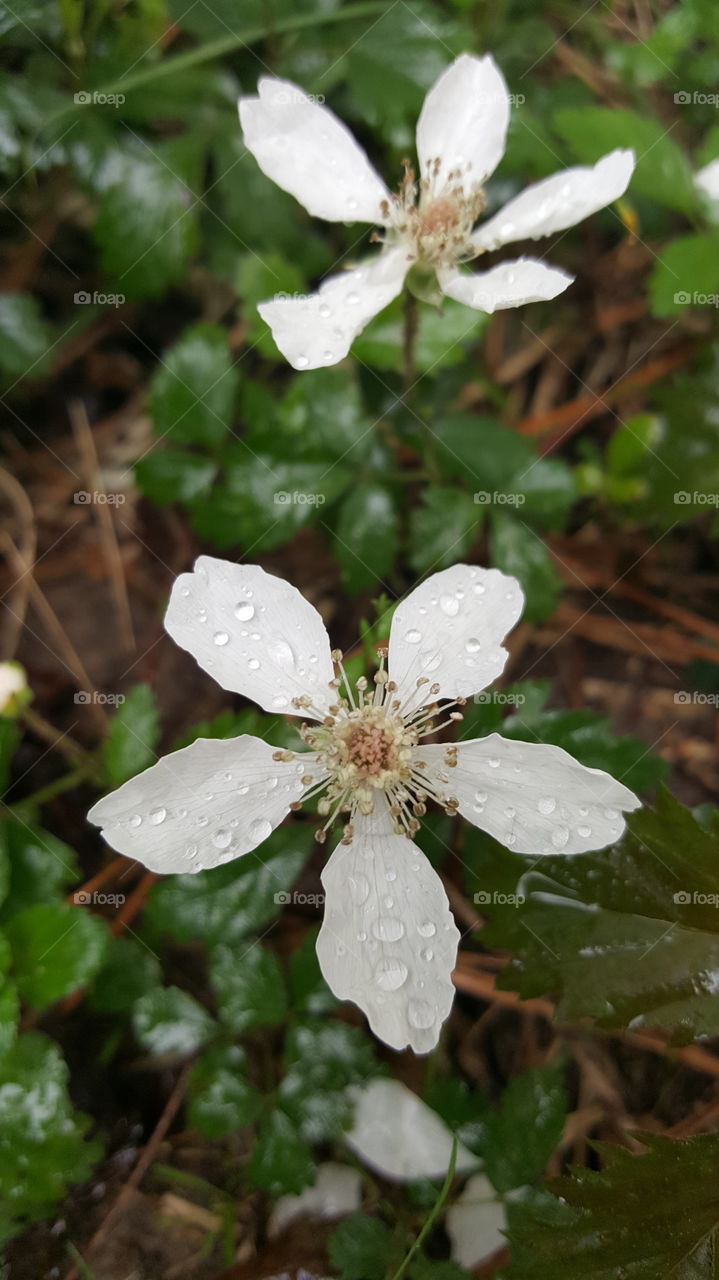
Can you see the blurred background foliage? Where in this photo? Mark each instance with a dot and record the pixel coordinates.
(566, 443)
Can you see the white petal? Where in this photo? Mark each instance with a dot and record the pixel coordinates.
(319, 329)
(511, 284)
(475, 1223)
(388, 940)
(201, 806)
(450, 630)
(399, 1136)
(707, 181)
(463, 122)
(558, 202)
(254, 633)
(306, 150)
(531, 797)
(336, 1192)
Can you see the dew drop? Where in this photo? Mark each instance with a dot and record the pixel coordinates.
(472, 645)
(510, 813)
(430, 660)
(253, 664)
(584, 832)
(481, 797)
(449, 605)
(390, 975)
(426, 929)
(280, 701)
(421, 1015)
(547, 805)
(388, 929)
(325, 311)
(244, 611)
(302, 362)
(413, 637)
(427, 954)
(222, 839)
(157, 816)
(135, 820)
(260, 829)
(220, 637)
(560, 837)
(391, 875)
(494, 763)
(203, 820)
(359, 889)
(242, 791)
(283, 653)
(611, 814)
(352, 299)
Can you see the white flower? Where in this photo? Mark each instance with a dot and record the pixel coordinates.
(399, 1137)
(429, 227)
(706, 181)
(388, 940)
(15, 692)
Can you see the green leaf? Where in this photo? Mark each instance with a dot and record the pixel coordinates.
(359, 1248)
(260, 278)
(366, 536)
(41, 1136)
(56, 948)
(395, 62)
(221, 1098)
(662, 172)
(322, 1060)
(192, 395)
(642, 1216)
(309, 992)
(281, 1162)
(146, 226)
(128, 972)
(524, 1130)
(686, 275)
(443, 529)
(230, 902)
(627, 936)
(248, 985)
(39, 864)
(169, 475)
(25, 339)
(322, 415)
(133, 735)
(517, 550)
(168, 1020)
(442, 337)
(9, 1015)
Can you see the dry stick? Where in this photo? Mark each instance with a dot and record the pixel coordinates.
(97, 881)
(636, 637)
(149, 1153)
(134, 903)
(62, 742)
(28, 535)
(482, 986)
(88, 453)
(53, 624)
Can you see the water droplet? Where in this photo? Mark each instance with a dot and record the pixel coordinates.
(510, 813)
(611, 814)
(260, 829)
(430, 660)
(242, 791)
(512, 839)
(421, 1015)
(227, 777)
(427, 954)
(351, 203)
(413, 637)
(253, 664)
(302, 362)
(220, 637)
(203, 820)
(388, 902)
(481, 797)
(427, 929)
(560, 837)
(361, 936)
(584, 832)
(283, 653)
(280, 701)
(449, 605)
(391, 875)
(352, 299)
(390, 975)
(191, 850)
(494, 763)
(472, 645)
(222, 839)
(185, 591)
(388, 929)
(328, 356)
(325, 311)
(244, 611)
(157, 816)
(547, 805)
(202, 615)
(135, 820)
(359, 889)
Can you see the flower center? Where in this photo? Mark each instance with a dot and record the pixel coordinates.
(436, 225)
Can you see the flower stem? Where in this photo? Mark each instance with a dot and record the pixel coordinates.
(65, 783)
(436, 1210)
(409, 337)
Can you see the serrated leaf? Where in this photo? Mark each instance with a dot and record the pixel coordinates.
(35, 866)
(366, 536)
(359, 1248)
(249, 986)
(168, 1020)
(132, 737)
(309, 992)
(170, 475)
(322, 1060)
(128, 971)
(442, 529)
(281, 1161)
(25, 339)
(192, 395)
(56, 949)
(686, 275)
(221, 1098)
(517, 550)
(523, 1131)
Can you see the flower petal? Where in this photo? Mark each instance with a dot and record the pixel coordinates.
(306, 150)
(511, 284)
(475, 1222)
(399, 1136)
(255, 634)
(388, 940)
(201, 806)
(463, 123)
(319, 329)
(337, 1191)
(449, 630)
(558, 202)
(706, 180)
(534, 798)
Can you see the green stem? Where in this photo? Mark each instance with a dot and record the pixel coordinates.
(57, 787)
(438, 1206)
